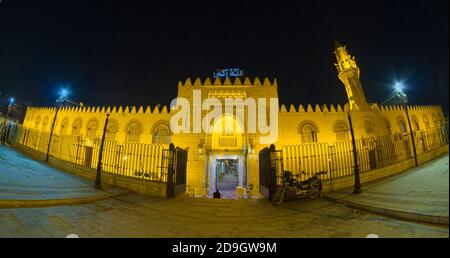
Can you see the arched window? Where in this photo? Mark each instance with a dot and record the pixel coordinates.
(44, 123)
(441, 120)
(402, 125)
(308, 133)
(76, 127)
(341, 131)
(64, 125)
(111, 130)
(92, 127)
(161, 134)
(426, 122)
(435, 120)
(37, 122)
(388, 125)
(133, 131)
(415, 123)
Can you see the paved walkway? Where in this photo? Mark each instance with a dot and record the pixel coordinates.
(24, 179)
(137, 215)
(421, 194)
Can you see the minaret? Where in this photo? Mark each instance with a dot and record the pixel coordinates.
(349, 75)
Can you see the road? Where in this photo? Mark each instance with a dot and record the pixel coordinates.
(137, 215)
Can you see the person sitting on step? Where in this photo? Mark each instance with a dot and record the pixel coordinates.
(216, 194)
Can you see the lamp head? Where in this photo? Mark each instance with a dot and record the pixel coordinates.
(63, 93)
(398, 86)
(11, 101)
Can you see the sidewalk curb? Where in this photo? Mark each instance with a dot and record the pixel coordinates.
(433, 219)
(8, 204)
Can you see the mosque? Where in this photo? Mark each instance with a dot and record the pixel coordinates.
(228, 159)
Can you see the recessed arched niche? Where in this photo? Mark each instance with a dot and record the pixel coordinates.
(227, 133)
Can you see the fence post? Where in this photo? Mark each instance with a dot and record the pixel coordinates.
(3, 130)
(357, 189)
(170, 190)
(412, 134)
(98, 177)
(272, 171)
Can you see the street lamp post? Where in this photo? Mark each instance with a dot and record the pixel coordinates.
(52, 128)
(357, 187)
(404, 100)
(5, 126)
(98, 177)
(10, 105)
(62, 97)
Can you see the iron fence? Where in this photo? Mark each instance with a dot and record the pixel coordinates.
(143, 161)
(372, 153)
(151, 161)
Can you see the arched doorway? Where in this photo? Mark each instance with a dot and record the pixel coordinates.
(227, 161)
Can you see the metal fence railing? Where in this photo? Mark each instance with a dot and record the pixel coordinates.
(143, 161)
(150, 161)
(372, 153)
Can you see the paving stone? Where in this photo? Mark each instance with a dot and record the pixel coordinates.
(22, 178)
(424, 190)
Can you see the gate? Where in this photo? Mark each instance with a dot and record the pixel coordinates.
(176, 171)
(270, 165)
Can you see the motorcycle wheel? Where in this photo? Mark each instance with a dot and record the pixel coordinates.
(278, 197)
(315, 190)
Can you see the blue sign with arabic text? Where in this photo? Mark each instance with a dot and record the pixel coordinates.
(224, 73)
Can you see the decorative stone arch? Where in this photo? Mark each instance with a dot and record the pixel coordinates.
(426, 121)
(133, 131)
(415, 123)
(76, 126)
(37, 122)
(44, 123)
(111, 129)
(64, 125)
(388, 125)
(92, 128)
(341, 129)
(223, 139)
(305, 122)
(158, 123)
(441, 120)
(435, 120)
(402, 125)
(239, 125)
(308, 131)
(340, 122)
(161, 132)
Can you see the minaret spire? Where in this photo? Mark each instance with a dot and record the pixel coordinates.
(349, 74)
(337, 44)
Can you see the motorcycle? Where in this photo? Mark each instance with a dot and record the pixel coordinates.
(292, 187)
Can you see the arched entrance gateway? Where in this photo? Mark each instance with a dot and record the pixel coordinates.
(227, 163)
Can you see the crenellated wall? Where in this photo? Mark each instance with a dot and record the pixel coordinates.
(381, 120)
(146, 119)
(227, 82)
(417, 113)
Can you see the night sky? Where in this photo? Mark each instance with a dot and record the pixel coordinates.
(135, 52)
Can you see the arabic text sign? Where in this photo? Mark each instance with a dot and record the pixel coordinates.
(228, 73)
